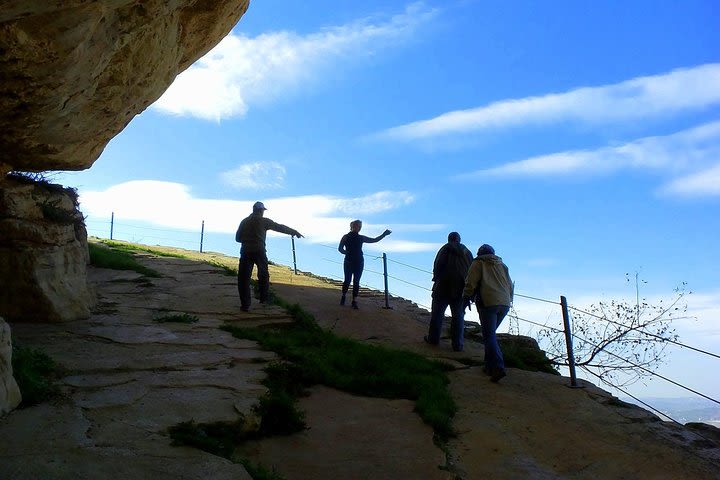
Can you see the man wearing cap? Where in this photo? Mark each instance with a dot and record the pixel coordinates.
(489, 282)
(449, 271)
(251, 234)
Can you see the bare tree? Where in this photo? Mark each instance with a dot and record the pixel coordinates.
(620, 342)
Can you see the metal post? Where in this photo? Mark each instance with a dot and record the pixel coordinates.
(568, 341)
(385, 274)
(292, 239)
(202, 234)
(112, 222)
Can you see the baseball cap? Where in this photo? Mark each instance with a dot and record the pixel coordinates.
(259, 206)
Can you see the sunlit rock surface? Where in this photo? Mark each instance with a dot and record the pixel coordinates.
(43, 253)
(74, 73)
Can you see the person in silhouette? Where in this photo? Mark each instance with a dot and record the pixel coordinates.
(488, 281)
(351, 246)
(251, 235)
(449, 272)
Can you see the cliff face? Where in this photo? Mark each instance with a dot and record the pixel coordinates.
(43, 247)
(74, 73)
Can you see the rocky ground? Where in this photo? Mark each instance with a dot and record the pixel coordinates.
(128, 378)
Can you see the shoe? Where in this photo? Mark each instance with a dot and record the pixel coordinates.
(427, 340)
(245, 309)
(342, 300)
(497, 374)
(354, 305)
(457, 349)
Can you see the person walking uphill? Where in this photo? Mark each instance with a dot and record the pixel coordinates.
(251, 234)
(449, 272)
(489, 282)
(351, 246)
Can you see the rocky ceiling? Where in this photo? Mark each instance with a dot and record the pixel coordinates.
(73, 73)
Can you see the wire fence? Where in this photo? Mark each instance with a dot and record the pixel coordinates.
(195, 240)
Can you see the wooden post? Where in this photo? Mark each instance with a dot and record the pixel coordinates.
(568, 341)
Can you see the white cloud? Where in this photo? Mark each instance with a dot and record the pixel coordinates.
(258, 175)
(240, 70)
(320, 218)
(689, 149)
(542, 262)
(703, 183)
(643, 97)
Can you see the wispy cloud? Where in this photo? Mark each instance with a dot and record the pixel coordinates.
(703, 183)
(688, 150)
(241, 70)
(321, 218)
(258, 175)
(680, 90)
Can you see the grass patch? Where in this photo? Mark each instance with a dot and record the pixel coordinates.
(35, 373)
(104, 257)
(132, 248)
(177, 318)
(322, 357)
(229, 271)
(519, 355)
(221, 438)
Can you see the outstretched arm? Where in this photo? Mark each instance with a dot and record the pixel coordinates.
(376, 239)
(278, 227)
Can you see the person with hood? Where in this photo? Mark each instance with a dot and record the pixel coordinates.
(488, 281)
(449, 271)
(251, 235)
(351, 246)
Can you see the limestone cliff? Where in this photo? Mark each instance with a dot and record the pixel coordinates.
(43, 247)
(74, 73)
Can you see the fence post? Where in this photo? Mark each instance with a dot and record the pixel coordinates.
(385, 275)
(568, 341)
(202, 234)
(112, 222)
(292, 239)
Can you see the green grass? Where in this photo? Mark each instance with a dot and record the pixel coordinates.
(218, 438)
(34, 372)
(177, 318)
(229, 271)
(131, 248)
(107, 257)
(324, 358)
(526, 358)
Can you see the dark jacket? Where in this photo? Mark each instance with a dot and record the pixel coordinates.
(450, 269)
(253, 231)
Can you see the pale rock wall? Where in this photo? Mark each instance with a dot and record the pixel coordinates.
(43, 254)
(74, 73)
(9, 392)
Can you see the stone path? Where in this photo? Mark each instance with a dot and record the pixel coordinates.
(129, 378)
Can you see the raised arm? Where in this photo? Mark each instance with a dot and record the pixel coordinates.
(376, 239)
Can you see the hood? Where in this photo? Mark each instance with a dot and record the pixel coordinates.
(490, 258)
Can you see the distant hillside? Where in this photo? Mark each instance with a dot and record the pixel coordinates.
(686, 409)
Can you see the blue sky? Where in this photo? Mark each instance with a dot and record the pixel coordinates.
(581, 139)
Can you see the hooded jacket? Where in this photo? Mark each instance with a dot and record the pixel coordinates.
(450, 269)
(489, 281)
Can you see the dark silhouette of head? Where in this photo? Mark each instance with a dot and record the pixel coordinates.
(454, 237)
(486, 249)
(259, 207)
